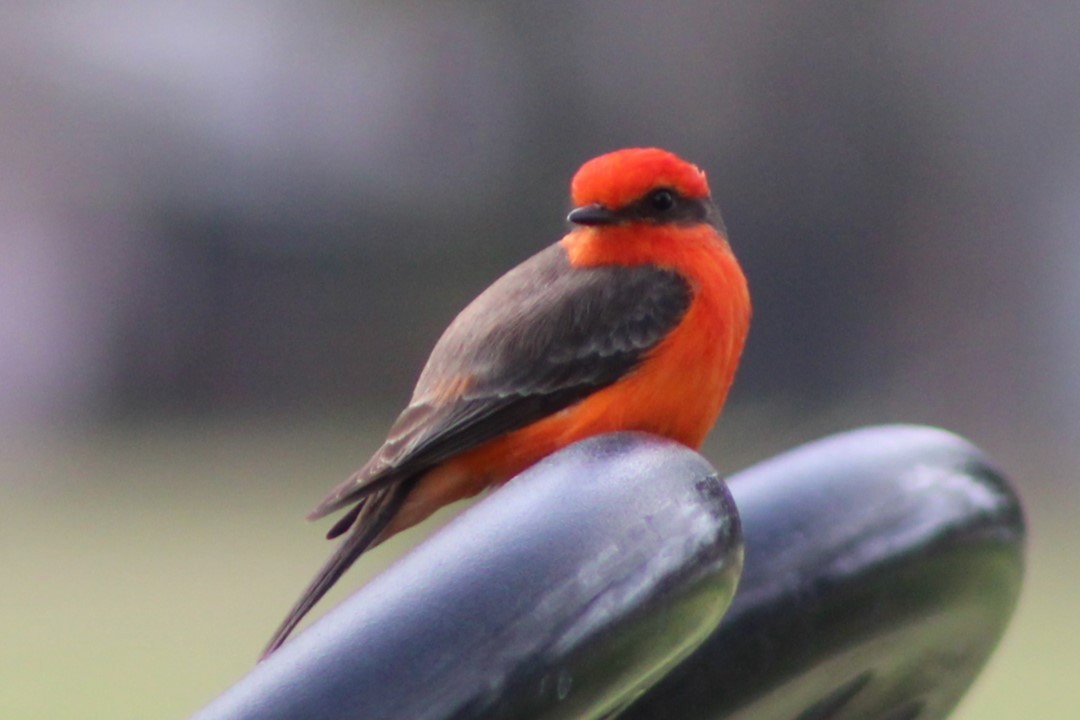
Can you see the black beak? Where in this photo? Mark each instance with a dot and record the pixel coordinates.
(592, 215)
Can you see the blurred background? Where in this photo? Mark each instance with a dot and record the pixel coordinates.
(231, 232)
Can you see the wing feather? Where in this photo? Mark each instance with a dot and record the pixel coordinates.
(543, 337)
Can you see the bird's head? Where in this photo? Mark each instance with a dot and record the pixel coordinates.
(645, 185)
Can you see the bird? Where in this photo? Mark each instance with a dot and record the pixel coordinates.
(635, 320)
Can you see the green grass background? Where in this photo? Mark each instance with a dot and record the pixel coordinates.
(144, 567)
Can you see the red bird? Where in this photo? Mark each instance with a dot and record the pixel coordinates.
(635, 320)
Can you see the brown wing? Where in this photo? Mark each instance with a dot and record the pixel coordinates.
(542, 337)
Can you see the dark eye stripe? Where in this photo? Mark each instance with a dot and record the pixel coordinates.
(683, 211)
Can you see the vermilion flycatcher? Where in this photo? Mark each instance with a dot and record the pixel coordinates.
(635, 320)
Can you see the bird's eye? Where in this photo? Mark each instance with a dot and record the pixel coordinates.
(662, 200)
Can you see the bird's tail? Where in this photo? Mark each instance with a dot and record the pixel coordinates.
(375, 513)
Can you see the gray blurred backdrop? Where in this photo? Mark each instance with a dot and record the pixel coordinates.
(230, 233)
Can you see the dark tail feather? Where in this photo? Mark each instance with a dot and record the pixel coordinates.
(378, 510)
(345, 522)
